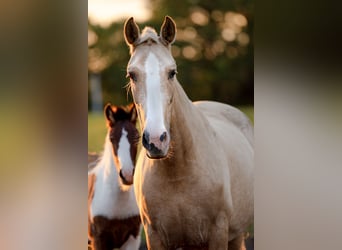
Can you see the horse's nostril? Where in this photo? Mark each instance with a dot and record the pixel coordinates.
(162, 137)
(145, 138)
(121, 175)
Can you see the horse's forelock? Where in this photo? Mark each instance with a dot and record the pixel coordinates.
(148, 34)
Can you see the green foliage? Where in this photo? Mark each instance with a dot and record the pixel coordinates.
(213, 50)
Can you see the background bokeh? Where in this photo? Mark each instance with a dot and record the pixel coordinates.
(213, 49)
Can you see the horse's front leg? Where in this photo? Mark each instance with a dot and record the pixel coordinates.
(153, 239)
(219, 233)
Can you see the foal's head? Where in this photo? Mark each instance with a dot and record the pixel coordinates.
(152, 72)
(123, 136)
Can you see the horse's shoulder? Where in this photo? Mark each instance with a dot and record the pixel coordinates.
(224, 112)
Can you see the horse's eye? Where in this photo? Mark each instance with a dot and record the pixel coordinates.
(172, 73)
(132, 76)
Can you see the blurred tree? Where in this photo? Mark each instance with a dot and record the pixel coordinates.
(108, 55)
(213, 50)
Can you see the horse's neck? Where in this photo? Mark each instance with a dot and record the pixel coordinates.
(188, 128)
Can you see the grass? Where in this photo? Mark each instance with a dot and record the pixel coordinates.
(249, 111)
(96, 132)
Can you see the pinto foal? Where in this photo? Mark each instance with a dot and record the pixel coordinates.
(113, 215)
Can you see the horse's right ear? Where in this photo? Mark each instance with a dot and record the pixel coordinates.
(131, 31)
(168, 31)
(109, 113)
(132, 112)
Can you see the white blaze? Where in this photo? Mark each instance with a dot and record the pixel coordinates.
(154, 99)
(124, 154)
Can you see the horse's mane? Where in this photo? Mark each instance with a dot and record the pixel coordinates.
(148, 33)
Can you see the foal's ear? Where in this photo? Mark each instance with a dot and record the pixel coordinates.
(109, 113)
(131, 31)
(168, 30)
(132, 112)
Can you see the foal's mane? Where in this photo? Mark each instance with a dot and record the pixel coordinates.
(105, 158)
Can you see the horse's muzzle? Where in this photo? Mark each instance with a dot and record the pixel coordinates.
(126, 180)
(155, 147)
(154, 153)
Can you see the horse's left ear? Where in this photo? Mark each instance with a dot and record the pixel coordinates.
(131, 31)
(109, 113)
(133, 112)
(168, 31)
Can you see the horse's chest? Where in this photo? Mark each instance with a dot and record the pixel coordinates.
(182, 226)
(181, 207)
(179, 216)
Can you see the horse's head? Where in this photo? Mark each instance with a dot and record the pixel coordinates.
(123, 136)
(152, 72)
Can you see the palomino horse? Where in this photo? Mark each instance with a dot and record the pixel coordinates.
(113, 215)
(194, 176)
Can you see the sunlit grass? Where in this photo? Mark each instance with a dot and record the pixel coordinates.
(249, 111)
(96, 132)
